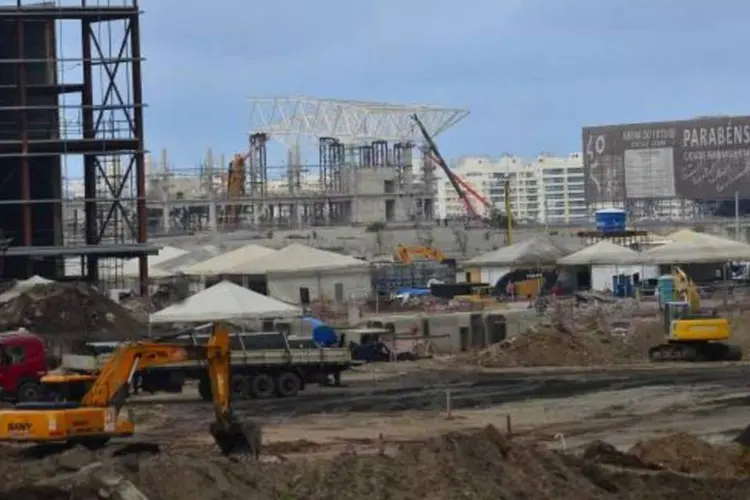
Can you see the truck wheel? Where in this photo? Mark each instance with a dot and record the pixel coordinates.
(240, 387)
(262, 386)
(288, 384)
(204, 389)
(29, 392)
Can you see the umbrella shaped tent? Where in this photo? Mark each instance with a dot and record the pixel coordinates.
(225, 301)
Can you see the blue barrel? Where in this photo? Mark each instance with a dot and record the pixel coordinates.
(322, 334)
(665, 285)
(611, 220)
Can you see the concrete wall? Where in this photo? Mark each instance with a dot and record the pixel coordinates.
(286, 286)
(448, 326)
(601, 276)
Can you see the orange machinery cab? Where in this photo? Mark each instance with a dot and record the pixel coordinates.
(63, 421)
(683, 326)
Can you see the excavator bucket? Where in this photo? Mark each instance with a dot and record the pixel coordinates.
(237, 438)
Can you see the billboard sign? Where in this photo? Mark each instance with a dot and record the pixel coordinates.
(701, 159)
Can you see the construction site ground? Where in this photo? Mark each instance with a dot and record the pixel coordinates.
(404, 402)
(388, 430)
(521, 425)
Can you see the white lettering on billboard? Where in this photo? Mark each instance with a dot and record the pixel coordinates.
(714, 156)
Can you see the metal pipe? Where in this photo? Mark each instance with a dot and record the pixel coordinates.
(24, 134)
(42, 201)
(89, 160)
(99, 107)
(66, 61)
(140, 159)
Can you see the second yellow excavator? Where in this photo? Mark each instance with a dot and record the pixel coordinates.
(97, 417)
(692, 334)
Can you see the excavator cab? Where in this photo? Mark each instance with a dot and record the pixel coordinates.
(674, 311)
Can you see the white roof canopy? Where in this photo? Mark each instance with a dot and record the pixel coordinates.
(697, 252)
(296, 258)
(540, 250)
(130, 267)
(223, 263)
(601, 253)
(225, 301)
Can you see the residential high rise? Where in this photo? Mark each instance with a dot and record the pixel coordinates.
(547, 189)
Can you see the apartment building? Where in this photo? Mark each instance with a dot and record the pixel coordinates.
(547, 189)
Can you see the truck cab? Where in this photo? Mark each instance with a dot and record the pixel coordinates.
(23, 362)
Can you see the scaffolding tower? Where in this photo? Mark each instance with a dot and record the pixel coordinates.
(63, 109)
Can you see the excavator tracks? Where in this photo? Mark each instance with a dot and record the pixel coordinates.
(694, 352)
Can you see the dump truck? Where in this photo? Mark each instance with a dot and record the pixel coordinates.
(264, 365)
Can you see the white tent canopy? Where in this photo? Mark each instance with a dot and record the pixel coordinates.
(298, 258)
(688, 236)
(223, 263)
(601, 253)
(130, 267)
(225, 301)
(697, 252)
(540, 250)
(194, 256)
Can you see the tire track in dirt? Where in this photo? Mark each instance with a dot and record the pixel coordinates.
(468, 391)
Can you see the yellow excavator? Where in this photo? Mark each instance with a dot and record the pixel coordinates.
(97, 417)
(692, 334)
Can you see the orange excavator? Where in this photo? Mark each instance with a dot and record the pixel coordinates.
(97, 417)
(406, 254)
(495, 218)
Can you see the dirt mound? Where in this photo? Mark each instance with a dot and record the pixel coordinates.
(605, 453)
(166, 295)
(74, 309)
(483, 464)
(570, 339)
(686, 453)
(549, 346)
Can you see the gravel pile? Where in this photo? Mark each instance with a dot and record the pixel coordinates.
(74, 310)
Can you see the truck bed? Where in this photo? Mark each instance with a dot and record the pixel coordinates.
(269, 357)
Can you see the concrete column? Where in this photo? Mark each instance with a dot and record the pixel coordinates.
(212, 210)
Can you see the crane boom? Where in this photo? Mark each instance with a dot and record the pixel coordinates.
(444, 166)
(461, 187)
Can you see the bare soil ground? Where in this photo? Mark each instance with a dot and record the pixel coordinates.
(388, 435)
(483, 464)
(441, 429)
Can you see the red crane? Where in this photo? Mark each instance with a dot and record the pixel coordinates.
(461, 187)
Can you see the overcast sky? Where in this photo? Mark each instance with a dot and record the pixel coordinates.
(532, 72)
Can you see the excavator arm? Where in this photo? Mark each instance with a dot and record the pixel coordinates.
(687, 290)
(110, 389)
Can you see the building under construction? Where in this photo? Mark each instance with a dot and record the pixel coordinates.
(67, 110)
(364, 165)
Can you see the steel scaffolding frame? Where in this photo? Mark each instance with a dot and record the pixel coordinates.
(107, 131)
